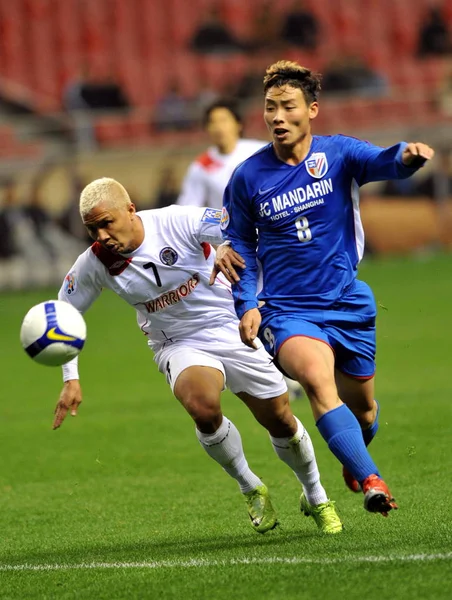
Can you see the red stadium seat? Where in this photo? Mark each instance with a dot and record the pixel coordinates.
(14, 42)
(44, 42)
(11, 147)
(187, 73)
(111, 130)
(139, 127)
(238, 15)
(184, 18)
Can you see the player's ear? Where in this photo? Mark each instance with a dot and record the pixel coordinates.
(132, 210)
(313, 110)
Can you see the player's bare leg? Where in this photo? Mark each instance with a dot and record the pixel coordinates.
(311, 362)
(293, 446)
(199, 389)
(358, 394)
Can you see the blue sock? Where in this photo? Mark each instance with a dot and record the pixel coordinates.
(340, 429)
(370, 432)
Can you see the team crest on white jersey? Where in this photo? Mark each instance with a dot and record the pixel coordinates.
(317, 164)
(168, 256)
(69, 283)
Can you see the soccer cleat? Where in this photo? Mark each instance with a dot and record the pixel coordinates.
(324, 515)
(350, 481)
(260, 509)
(377, 497)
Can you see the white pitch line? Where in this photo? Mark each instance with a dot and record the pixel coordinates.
(202, 563)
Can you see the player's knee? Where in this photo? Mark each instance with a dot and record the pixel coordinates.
(315, 379)
(280, 422)
(205, 410)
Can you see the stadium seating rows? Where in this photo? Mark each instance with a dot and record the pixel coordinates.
(43, 44)
(11, 147)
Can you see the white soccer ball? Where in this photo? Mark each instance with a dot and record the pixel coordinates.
(53, 333)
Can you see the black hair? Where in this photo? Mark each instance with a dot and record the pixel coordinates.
(227, 103)
(285, 72)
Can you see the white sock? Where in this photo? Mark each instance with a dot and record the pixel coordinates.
(298, 453)
(225, 446)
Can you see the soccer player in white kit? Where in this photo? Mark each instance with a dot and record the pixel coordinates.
(208, 176)
(159, 262)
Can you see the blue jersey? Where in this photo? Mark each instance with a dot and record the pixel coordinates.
(302, 222)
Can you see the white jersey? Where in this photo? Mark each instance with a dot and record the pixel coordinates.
(208, 176)
(166, 279)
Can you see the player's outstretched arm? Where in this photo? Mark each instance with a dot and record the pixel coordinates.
(416, 154)
(225, 261)
(70, 399)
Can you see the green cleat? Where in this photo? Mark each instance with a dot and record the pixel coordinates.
(324, 515)
(260, 509)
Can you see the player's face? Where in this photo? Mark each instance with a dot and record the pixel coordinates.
(287, 115)
(223, 128)
(116, 229)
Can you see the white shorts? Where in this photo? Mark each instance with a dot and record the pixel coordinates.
(244, 369)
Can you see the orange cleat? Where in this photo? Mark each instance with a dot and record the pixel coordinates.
(377, 497)
(350, 481)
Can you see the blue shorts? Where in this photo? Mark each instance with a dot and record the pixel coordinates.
(348, 327)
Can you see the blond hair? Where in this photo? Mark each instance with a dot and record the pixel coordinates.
(106, 190)
(287, 72)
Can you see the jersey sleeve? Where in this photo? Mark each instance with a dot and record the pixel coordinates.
(193, 192)
(367, 162)
(209, 226)
(81, 287)
(195, 225)
(239, 228)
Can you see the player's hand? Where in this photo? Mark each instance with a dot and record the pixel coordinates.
(249, 326)
(70, 399)
(225, 261)
(416, 154)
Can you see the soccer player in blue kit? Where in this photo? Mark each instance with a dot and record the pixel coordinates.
(294, 206)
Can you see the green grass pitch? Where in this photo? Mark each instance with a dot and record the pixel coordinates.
(122, 502)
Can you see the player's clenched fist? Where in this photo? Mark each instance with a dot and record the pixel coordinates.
(70, 399)
(249, 326)
(416, 154)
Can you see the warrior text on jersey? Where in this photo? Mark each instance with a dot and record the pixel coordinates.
(166, 279)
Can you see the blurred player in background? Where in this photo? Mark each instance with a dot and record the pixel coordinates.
(159, 262)
(314, 316)
(208, 175)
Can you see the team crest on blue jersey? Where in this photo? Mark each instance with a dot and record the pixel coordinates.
(211, 215)
(317, 164)
(69, 284)
(224, 218)
(168, 256)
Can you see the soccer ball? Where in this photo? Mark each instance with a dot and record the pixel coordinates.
(53, 333)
